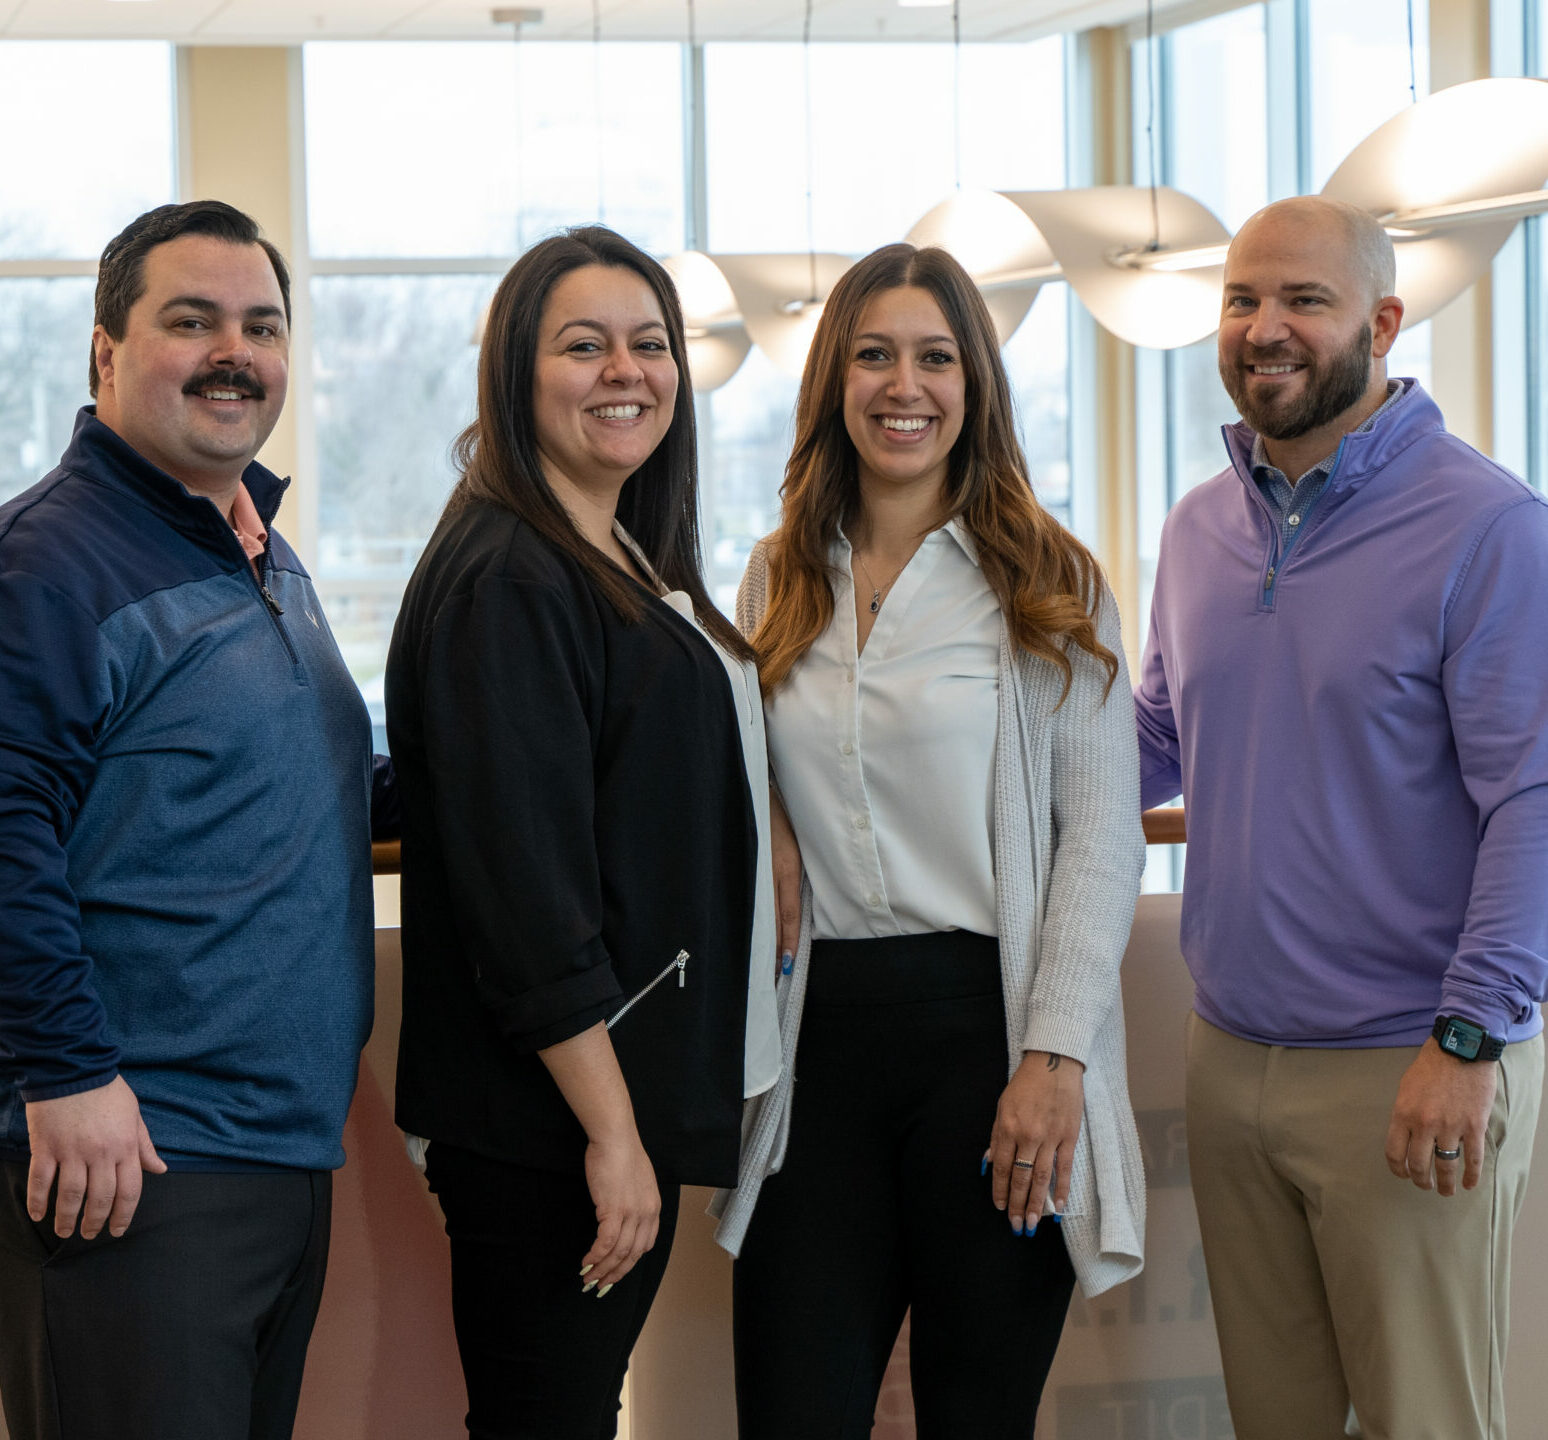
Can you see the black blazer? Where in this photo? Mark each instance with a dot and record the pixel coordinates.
(575, 813)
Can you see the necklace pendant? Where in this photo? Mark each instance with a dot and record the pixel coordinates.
(875, 601)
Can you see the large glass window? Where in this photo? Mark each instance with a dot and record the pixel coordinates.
(59, 205)
(1211, 140)
(414, 212)
(501, 144)
(1360, 69)
(890, 125)
(1208, 129)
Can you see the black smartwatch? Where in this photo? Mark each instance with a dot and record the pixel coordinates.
(1466, 1040)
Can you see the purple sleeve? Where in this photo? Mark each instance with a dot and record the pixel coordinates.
(54, 695)
(1159, 751)
(1495, 679)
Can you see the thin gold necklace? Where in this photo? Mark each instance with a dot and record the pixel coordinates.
(876, 590)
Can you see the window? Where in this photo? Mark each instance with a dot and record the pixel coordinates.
(1211, 140)
(903, 101)
(414, 213)
(57, 211)
(1360, 77)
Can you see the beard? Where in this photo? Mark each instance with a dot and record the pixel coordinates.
(1332, 387)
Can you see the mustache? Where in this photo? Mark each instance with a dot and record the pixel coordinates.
(238, 380)
(1273, 355)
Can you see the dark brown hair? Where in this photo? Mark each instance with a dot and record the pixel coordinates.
(498, 453)
(121, 270)
(1046, 581)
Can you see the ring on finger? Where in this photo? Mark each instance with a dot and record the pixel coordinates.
(1448, 1154)
(1023, 1164)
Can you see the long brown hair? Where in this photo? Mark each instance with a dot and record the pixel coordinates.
(1046, 581)
(498, 453)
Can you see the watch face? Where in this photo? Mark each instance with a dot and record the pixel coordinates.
(1461, 1038)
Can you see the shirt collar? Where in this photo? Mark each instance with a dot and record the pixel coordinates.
(248, 525)
(1260, 460)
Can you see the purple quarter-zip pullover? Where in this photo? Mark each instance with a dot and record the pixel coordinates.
(1360, 733)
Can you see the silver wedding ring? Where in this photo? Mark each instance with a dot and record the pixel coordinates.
(1448, 1154)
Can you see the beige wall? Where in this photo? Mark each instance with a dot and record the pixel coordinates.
(238, 142)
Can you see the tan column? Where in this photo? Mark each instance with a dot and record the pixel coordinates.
(1106, 58)
(1462, 335)
(238, 142)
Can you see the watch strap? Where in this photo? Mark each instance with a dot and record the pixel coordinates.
(1465, 1039)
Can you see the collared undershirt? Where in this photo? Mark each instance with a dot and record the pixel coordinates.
(245, 521)
(1292, 503)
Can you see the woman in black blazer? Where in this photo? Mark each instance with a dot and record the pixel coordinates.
(587, 930)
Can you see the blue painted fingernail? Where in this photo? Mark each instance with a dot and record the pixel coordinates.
(1015, 1228)
(786, 963)
(1057, 1218)
(983, 1166)
(1030, 1231)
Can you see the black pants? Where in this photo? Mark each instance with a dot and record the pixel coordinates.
(191, 1326)
(542, 1360)
(880, 1207)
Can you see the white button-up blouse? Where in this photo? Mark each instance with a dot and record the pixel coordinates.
(885, 758)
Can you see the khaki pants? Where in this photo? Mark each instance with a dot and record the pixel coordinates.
(1334, 1283)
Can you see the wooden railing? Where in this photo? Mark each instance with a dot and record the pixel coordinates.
(1162, 827)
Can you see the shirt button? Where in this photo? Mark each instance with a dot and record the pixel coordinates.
(873, 900)
(1294, 520)
(849, 677)
(847, 748)
(862, 822)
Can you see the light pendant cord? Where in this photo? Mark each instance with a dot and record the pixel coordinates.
(521, 158)
(956, 88)
(1150, 120)
(1413, 74)
(596, 110)
(811, 216)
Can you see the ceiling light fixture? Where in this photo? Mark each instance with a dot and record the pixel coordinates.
(712, 321)
(780, 305)
(1450, 177)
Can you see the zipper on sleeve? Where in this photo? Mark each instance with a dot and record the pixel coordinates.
(679, 963)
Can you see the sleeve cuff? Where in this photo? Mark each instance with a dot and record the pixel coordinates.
(1059, 1035)
(1497, 1016)
(558, 1010)
(31, 1093)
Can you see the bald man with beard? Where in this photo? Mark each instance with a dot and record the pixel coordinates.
(1342, 681)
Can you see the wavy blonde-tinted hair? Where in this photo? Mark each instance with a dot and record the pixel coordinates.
(1048, 584)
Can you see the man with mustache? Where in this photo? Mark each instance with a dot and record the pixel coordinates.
(1343, 681)
(185, 892)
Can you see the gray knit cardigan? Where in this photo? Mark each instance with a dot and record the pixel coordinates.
(1068, 852)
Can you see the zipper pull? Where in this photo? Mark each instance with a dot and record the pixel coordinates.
(270, 601)
(682, 968)
(1268, 580)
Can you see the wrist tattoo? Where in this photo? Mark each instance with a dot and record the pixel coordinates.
(1053, 1061)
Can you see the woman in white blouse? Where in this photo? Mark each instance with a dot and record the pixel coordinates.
(951, 731)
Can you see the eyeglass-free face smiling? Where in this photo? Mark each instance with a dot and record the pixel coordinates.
(904, 394)
(605, 383)
(198, 378)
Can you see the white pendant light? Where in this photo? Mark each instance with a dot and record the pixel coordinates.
(781, 298)
(985, 233)
(1146, 262)
(995, 241)
(1450, 177)
(717, 340)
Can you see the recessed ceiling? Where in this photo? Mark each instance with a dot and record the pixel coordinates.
(277, 22)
